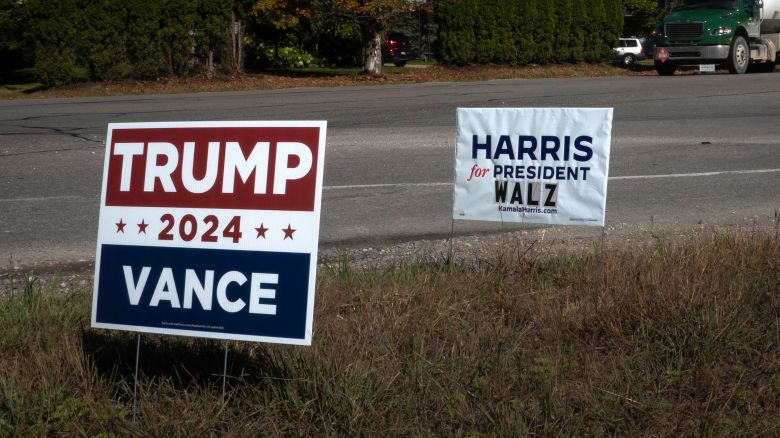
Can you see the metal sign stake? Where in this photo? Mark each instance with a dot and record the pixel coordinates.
(224, 373)
(135, 376)
(452, 237)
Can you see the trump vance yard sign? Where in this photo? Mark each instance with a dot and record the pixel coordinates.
(210, 229)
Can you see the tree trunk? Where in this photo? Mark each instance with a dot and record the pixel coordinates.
(210, 65)
(169, 53)
(240, 67)
(236, 43)
(372, 48)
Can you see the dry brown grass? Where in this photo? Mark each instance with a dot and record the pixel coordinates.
(681, 338)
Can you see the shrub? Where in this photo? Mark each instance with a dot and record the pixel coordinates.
(293, 57)
(527, 31)
(284, 57)
(55, 68)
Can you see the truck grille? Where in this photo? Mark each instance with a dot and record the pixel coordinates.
(684, 30)
(685, 54)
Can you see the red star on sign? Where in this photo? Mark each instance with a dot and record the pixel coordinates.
(142, 227)
(288, 232)
(120, 226)
(261, 231)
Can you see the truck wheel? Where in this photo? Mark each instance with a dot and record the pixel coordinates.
(629, 59)
(665, 68)
(739, 56)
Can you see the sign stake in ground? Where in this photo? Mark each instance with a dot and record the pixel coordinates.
(210, 229)
(224, 373)
(135, 376)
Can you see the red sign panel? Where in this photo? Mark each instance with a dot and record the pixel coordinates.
(250, 168)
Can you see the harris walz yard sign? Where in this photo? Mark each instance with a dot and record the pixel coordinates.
(533, 165)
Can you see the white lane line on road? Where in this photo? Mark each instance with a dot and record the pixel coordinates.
(693, 175)
(388, 186)
(612, 178)
(445, 184)
(46, 198)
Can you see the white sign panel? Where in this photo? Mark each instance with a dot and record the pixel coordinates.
(210, 229)
(532, 165)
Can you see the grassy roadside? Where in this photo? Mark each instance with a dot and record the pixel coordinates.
(316, 77)
(680, 338)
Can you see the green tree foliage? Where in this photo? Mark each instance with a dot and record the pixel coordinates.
(484, 32)
(503, 48)
(211, 27)
(527, 31)
(579, 30)
(14, 54)
(52, 36)
(145, 54)
(370, 18)
(336, 35)
(644, 15)
(457, 33)
(527, 40)
(614, 24)
(595, 30)
(545, 29)
(281, 29)
(562, 37)
(75, 40)
(177, 20)
(100, 41)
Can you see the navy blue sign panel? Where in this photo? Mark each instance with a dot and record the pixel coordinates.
(204, 290)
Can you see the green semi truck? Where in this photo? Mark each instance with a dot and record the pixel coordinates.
(740, 34)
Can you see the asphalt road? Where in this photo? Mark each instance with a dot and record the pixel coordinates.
(687, 152)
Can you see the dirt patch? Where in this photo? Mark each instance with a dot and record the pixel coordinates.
(321, 77)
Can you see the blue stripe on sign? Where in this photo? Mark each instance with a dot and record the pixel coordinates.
(114, 304)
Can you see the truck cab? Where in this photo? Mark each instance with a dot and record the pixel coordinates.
(733, 33)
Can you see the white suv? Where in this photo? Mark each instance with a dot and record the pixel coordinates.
(629, 50)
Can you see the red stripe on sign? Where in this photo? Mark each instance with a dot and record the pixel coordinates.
(248, 168)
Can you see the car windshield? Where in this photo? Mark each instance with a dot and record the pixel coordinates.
(399, 37)
(715, 4)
